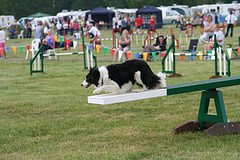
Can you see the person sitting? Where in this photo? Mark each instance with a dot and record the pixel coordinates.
(160, 45)
(94, 33)
(208, 30)
(219, 38)
(48, 41)
(124, 45)
(12, 33)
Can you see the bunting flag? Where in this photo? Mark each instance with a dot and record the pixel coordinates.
(8, 49)
(74, 44)
(98, 48)
(61, 39)
(154, 56)
(90, 47)
(182, 58)
(1, 50)
(28, 47)
(136, 55)
(14, 50)
(229, 51)
(200, 57)
(21, 49)
(145, 56)
(120, 53)
(113, 51)
(105, 49)
(56, 38)
(163, 54)
(68, 42)
(191, 57)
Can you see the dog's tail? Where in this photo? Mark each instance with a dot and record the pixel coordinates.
(162, 77)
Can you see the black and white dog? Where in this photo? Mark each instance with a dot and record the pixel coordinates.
(120, 78)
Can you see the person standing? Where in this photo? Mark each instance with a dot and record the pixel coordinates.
(231, 19)
(39, 31)
(152, 23)
(2, 42)
(138, 22)
(59, 28)
(29, 29)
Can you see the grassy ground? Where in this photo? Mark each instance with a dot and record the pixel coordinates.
(46, 116)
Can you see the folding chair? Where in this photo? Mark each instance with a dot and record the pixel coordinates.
(192, 46)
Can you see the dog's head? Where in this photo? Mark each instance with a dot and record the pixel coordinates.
(91, 78)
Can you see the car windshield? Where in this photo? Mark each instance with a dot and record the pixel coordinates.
(175, 13)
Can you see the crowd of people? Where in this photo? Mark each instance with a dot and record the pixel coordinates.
(65, 26)
(212, 28)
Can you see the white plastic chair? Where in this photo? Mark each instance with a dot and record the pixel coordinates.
(34, 47)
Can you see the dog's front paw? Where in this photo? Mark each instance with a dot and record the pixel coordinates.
(137, 91)
(140, 90)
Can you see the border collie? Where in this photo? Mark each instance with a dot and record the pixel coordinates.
(120, 78)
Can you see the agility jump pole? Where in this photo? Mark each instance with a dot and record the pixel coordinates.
(220, 61)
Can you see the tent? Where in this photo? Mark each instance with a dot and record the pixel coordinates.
(100, 14)
(146, 13)
(38, 14)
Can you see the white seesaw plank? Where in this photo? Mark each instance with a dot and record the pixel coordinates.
(132, 96)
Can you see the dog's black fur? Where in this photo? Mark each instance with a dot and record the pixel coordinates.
(124, 73)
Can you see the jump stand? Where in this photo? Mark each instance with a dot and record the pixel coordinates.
(169, 61)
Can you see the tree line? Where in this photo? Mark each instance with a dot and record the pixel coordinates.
(23, 8)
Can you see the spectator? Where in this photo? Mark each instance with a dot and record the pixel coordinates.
(231, 20)
(93, 31)
(59, 28)
(208, 30)
(39, 31)
(160, 45)
(71, 27)
(124, 45)
(138, 22)
(123, 24)
(29, 29)
(219, 38)
(76, 36)
(65, 27)
(179, 20)
(128, 24)
(152, 24)
(46, 28)
(76, 26)
(48, 41)
(115, 24)
(12, 33)
(2, 42)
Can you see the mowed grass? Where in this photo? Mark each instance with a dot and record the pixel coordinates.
(46, 116)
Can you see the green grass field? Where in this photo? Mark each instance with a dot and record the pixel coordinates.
(46, 116)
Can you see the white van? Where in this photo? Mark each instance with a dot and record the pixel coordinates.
(169, 16)
(6, 21)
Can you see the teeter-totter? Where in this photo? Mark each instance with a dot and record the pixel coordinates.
(212, 124)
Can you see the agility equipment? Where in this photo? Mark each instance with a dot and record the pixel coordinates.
(222, 61)
(37, 62)
(213, 124)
